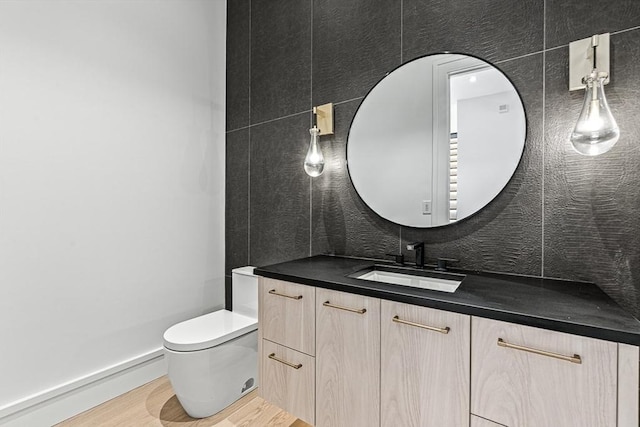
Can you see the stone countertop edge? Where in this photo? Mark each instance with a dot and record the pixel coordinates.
(571, 307)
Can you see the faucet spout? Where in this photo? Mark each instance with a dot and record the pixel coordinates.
(419, 248)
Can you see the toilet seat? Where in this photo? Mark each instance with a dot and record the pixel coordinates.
(208, 331)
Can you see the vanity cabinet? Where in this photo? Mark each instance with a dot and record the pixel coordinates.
(336, 359)
(425, 366)
(525, 376)
(347, 359)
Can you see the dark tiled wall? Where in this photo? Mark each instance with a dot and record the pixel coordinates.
(562, 215)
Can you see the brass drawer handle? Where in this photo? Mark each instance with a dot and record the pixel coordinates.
(444, 330)
(274, 292)
(339, 307)
(573, 359)
(273, 356)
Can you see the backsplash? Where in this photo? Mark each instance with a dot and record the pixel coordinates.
(562, 215)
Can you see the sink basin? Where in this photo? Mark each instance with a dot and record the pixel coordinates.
(435, 281)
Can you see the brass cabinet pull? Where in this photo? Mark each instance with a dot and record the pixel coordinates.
(294, 366)
(573, 359)
(444, 330)
(339, 307)
(274, 292)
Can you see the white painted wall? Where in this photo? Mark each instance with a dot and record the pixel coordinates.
(473, 84)
(490, 145)
(111, 181)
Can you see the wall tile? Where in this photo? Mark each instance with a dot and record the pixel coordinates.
(280, 58)
(506, 235)
(237, 202)
(592, 204)
(570, 20)
(341, 222)
(355, 43)
(493, 30)
(590, 232)
(228, 293)
(280, 191)
(238, 45)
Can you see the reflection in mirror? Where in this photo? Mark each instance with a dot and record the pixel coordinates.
(436, 140)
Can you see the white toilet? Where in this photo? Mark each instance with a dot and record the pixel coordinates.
(213, 359)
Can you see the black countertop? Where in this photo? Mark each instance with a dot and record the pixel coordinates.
(564, 306)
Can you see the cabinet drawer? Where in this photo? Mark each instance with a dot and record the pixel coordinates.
(524, 376)
(288, 380)
(288, 314)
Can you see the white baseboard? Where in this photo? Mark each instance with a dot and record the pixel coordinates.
(57, 404)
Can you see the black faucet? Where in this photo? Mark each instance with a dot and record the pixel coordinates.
(419, 248)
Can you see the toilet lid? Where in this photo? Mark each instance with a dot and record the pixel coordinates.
(208, 330)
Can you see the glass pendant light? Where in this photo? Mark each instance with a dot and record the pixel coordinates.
(596, 130)
(314, 162)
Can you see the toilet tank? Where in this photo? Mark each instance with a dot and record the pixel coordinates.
(244, 291)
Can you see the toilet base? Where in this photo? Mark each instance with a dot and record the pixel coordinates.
(207, 381)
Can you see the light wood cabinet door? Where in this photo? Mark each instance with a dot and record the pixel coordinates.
(288, 380)
(288, 314)
(481, 422)
(425, 367)
(628, 393)
(347, 360)
(516, 387)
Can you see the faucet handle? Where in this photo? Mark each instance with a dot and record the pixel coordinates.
(399, 258)
(442, 263)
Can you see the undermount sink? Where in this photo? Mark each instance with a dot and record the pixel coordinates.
(435, 281)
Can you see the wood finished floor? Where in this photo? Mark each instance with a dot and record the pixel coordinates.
(155, 404)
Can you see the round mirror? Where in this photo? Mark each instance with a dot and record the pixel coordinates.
(436, 140)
